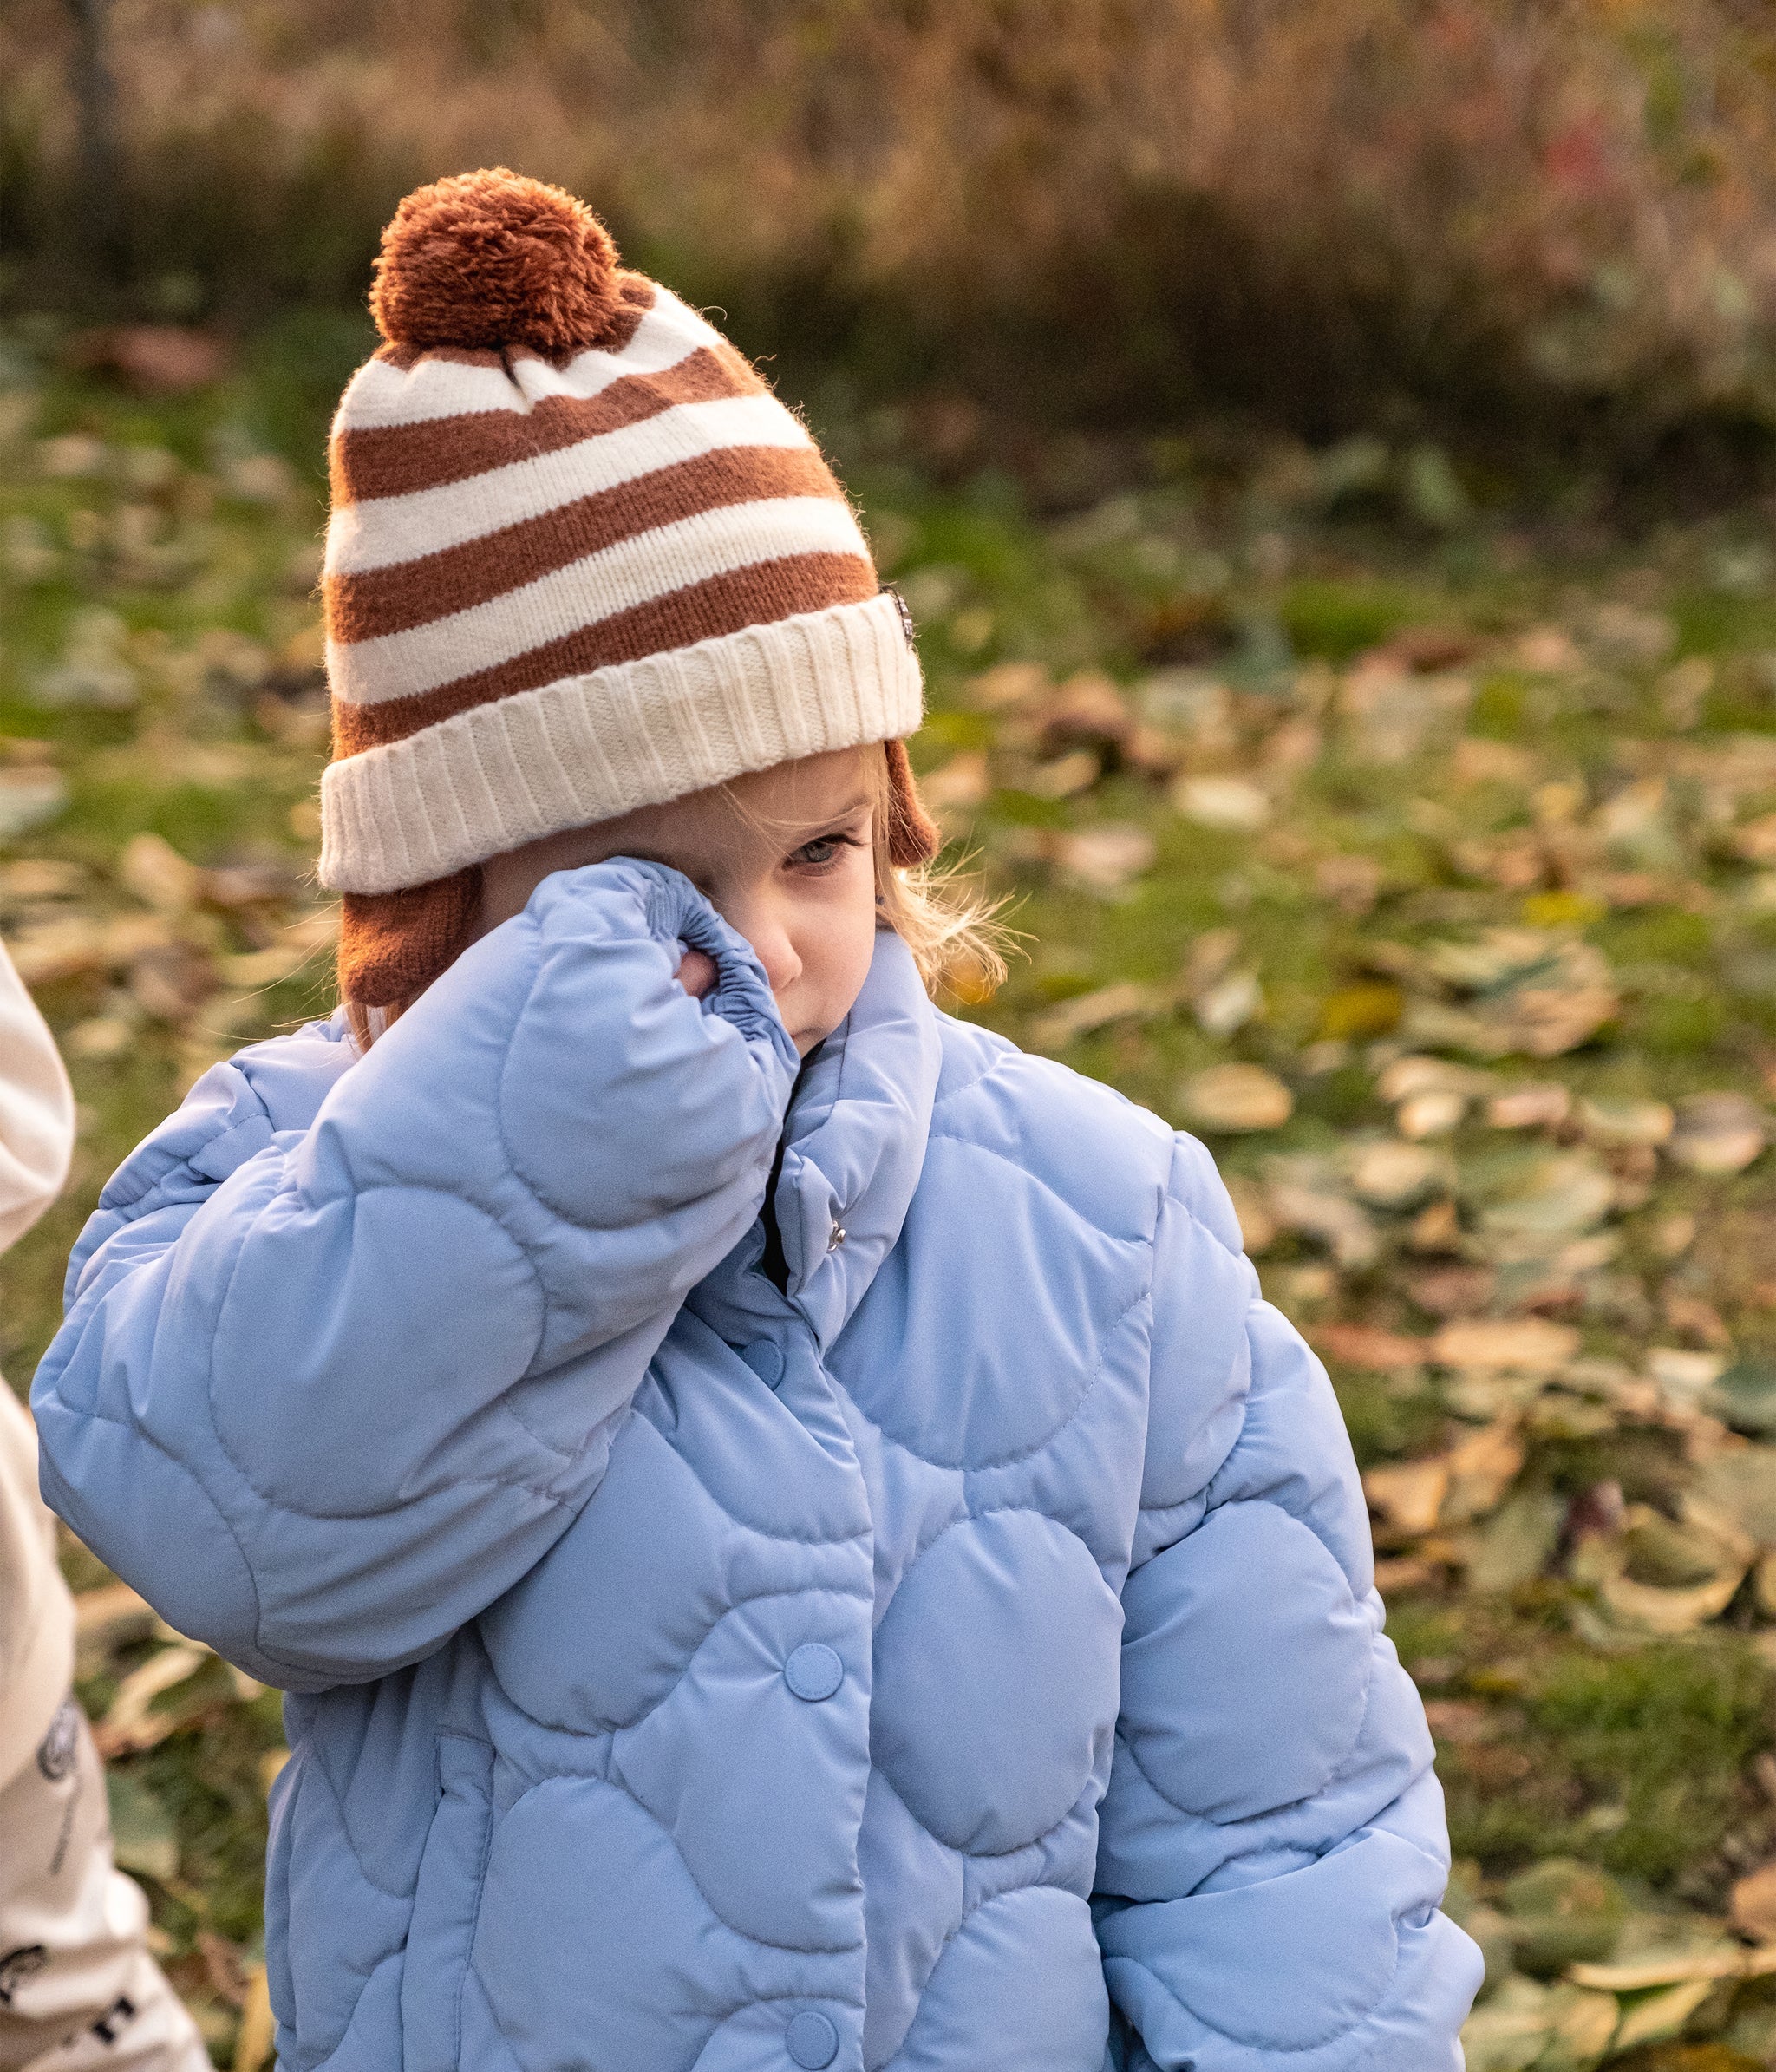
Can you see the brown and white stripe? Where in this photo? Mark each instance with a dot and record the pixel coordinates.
(554, 592)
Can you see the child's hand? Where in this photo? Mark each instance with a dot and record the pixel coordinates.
(697, 973)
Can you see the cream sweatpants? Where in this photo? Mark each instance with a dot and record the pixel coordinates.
(78, 1988)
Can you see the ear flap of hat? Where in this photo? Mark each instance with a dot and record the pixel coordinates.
(913, 835)
(392, 945)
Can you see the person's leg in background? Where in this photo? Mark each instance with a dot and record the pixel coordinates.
(77, 1985)
(78, 1988)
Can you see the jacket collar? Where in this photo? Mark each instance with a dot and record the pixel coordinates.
(854, 1142)
(853, 1147)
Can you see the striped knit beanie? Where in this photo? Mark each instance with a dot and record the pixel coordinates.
(580, 560)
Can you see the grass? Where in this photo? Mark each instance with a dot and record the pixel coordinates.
(1383, 801)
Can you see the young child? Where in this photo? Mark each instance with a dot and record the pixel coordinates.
(791, 1536)
(78, 1989)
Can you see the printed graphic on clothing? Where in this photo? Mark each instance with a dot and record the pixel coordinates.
(60, 1746)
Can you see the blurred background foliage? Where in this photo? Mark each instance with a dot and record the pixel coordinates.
(1540, 227)
(1328, 451)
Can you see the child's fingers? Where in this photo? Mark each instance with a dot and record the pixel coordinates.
(697, 973)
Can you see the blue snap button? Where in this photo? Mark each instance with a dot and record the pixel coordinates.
(766, 1359)
(812, 2040)
(814, 1671)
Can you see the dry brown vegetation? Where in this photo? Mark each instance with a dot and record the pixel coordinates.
(1555, 213)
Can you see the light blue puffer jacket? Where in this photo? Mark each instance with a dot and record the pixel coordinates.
(690, 1674)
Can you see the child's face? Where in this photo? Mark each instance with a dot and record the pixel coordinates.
(785, 856)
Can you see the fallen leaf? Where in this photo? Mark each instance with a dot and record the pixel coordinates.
(40, 878)
(1745, 1398)
(1408, 1078)
(1662, 1576)
(254, 970)
(1462, 1721)
(158, 875)
(1391, 1175)
(1352, 884)
(1007, 684)
(256, 2040)
(1662, 2014)
(1528, 990)
(1477, 760)
(1548, 652)
(1509, 2031)
(143, 1837)
(1228, 804)
(1754, 1905)
(1721, 1960)
(132, 1723)
(1066, 776)
(1552, 1195)
(93, 670)
(959, 784)
(1481, 1468)
(171, 981)
(1526, 1344)
(30, 798)
(1230, 1098)
(1584, 2023)
(1105, 858)
(1741, 1480)
(1258, 1226)
(1397, 1573)
(1565, 1912)
(62, 948)
(1514, 1544)
(109, 1617)
(1226, 1007)
(1454, 1290)
(1430, 1114)
(1717, 1133)
(1341, 1224)
(1407, 1495)
(1364, 1345)
(1089, 707)
(1683, 1375)
(1625, 634)
(154, 359)
(1622, 1122)
(100, 1036)
(1087, 1012)
(1545, 1105)
(1436, 1228)
(1356, 1011)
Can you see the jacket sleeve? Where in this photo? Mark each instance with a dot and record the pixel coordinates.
(323, 1396)
(1272, 1845)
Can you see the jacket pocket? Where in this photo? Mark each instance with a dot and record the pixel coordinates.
(446, 1902)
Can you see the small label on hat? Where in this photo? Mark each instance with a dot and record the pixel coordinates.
(905, 612)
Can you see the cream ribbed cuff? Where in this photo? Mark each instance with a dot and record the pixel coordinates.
(636, 734)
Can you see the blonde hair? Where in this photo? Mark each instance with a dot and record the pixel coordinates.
(952, 927)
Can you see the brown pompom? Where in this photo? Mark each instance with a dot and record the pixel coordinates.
(491, 258)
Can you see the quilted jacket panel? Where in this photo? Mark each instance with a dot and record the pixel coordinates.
(964, 1657)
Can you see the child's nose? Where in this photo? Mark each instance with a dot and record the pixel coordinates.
(777, 954)
(766, 929)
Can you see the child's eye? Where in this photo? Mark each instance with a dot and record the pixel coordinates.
(822, 852)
